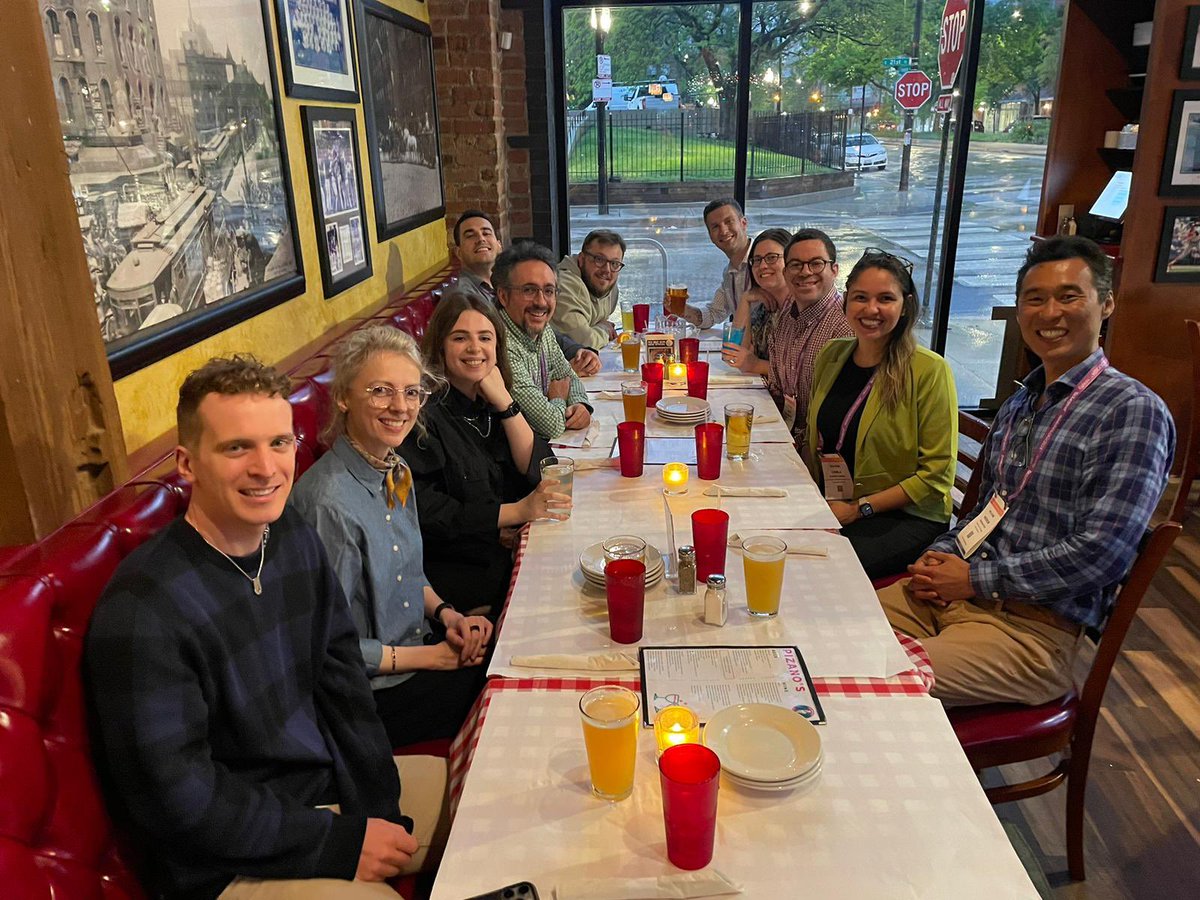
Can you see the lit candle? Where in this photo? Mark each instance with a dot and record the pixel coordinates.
(676, 725)
(675, 478)
(677, 371)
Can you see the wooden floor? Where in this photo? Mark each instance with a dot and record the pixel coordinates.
(1142, 832)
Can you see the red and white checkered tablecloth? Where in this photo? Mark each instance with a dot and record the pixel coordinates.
(916, 682)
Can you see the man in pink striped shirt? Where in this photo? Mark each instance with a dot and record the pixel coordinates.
(804, 325)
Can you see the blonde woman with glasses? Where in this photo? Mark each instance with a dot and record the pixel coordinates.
(883, 422)
(423, 656)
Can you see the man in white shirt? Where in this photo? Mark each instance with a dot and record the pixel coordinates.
(726, 224)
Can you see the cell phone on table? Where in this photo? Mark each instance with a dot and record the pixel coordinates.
(522, 890)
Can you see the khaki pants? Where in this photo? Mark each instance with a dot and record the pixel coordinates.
(424, 796)
(984, 656)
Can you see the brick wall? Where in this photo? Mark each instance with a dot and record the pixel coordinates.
(516, 125)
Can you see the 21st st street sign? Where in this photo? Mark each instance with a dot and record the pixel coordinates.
(952, 41)
(913, 89)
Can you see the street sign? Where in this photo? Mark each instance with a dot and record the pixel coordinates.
(603, 65)
(945, 102)
(903, 63)
(952, 41)
(601, 90)
(913, 89)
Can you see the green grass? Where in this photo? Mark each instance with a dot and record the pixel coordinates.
(642, 154)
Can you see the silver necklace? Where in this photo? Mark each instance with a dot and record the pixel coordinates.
(256, 578)
(483, 433)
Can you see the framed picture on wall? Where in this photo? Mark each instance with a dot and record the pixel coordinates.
(175, 145)
(402, 123)
(1181, 163)
(1189, 66)
(1179, 247)
(315, 46)
(335, 173)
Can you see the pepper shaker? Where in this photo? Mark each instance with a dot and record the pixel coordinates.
(716, 609)
(687, 569)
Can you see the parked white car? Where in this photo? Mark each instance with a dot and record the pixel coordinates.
(863, 151)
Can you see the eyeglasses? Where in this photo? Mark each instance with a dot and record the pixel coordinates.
(1024, 434)
(769, 258)
(816, 266)
(530, 291)
(381, 396)
(876, 252)
(603, 262)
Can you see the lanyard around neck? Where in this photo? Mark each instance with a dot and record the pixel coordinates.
(859, 401)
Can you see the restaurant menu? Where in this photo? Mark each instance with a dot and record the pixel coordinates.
(708, 679)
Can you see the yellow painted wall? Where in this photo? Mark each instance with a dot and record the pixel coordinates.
(147, 397)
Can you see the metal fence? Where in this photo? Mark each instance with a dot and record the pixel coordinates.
(691, 145)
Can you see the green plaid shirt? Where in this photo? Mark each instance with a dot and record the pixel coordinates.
(535, 362)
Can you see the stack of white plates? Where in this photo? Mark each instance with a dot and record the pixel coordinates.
(764, 747)
(591, 563)
(683, 410)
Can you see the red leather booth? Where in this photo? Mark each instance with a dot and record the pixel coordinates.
(56, 839)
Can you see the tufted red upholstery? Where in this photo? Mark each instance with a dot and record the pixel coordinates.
(1000, 733)
(56, 840)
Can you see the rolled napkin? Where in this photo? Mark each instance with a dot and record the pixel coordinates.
(720, 490)
(735, 541)
(728, 380)
(765, 418)
(677, 886)
(606, 462)
(578, 438)
(599, 662)
(609, 395)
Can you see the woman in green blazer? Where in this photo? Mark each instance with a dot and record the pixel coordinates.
(883, 422)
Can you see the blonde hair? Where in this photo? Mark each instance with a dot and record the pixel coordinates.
(352, 354)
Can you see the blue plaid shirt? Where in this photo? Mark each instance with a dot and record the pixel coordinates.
(1071, 535)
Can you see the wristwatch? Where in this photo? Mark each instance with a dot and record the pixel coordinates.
(512, 410)
(865, 509)
(437, 613)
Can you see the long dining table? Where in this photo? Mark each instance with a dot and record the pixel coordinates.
(897, 810)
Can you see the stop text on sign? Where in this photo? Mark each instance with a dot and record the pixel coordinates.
(913, 90)
(951, 41)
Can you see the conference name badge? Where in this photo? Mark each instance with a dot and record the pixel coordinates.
(976, 531)
(839, 483)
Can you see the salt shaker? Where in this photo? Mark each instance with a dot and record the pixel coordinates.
(716, 609)
(687, 569)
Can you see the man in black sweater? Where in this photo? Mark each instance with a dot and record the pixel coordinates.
(230, 706)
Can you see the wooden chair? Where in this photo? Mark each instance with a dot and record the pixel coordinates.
(966, 481)
(998, 734)
(1191, 446)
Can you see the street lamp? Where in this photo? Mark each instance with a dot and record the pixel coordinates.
(601, 22)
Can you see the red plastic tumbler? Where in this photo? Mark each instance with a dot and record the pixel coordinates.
(710, 531)
(641, 317)
(708, 450)
(697, 380)
(631, 445)
(689, 775)
(689, 350)
(625, 588)
(652, 374)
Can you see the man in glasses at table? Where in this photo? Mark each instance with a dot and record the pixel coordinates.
(812, 317)
(548, 392)
(726, 224)
(587, 289)
(1073, 467)
(476, 244)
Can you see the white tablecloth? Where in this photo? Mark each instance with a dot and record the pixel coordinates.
(720, 374)
(829, 609)
(768, 426)
(896, 813)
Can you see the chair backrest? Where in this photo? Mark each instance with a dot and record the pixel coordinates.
(970, 451)
(1191, 447)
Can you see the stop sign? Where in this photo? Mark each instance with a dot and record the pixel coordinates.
(913, 89)
(952, 41)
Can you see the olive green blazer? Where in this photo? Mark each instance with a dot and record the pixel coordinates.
(914, 446)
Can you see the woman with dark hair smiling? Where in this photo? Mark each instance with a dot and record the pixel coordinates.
(755, 314)
(478, 466)
(883, 422)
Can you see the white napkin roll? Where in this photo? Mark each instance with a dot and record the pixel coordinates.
(680, 886)
(600, 662)
(720, 490)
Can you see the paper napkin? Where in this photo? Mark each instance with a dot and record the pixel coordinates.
(679, 886)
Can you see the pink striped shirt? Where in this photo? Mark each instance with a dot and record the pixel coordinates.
(800, 334)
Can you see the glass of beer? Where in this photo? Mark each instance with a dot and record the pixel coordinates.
(627, 316)
(739, 420)
(633, 395)
(631, 351)
(560, 470)
(677, 298)
(610, 732)
(762, 563)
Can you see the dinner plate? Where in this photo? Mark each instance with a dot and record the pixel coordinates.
(763, 743)
(651, 581)
(591, 562)
(682, 407)
(794, 784)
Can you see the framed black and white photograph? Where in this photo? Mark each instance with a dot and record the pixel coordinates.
(318, 60)
(335, 172)
(173, 133)
(1189, 66)
(1179, 248)
(402, 124)
(1181, 163)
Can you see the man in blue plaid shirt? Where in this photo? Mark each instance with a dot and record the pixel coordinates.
(1073, 467)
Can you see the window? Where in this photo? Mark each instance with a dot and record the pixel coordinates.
(55, 32)
(107, 97)
(97, 38)
(117, 38)
(66, 105)
(73, 25)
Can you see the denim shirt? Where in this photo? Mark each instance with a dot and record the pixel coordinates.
(376, 552)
